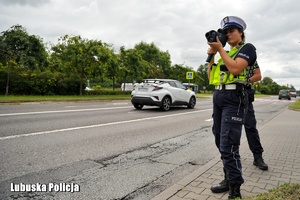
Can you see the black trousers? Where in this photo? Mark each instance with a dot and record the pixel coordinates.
(229, 111)
(252, 132)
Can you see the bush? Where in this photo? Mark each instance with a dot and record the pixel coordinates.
(67, 85)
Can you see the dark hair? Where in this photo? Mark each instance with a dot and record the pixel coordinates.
(243, 34)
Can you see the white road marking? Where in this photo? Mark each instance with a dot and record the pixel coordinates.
(61, 111)
(121, 103)
(100, 125)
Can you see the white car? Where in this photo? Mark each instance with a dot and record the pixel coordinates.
(293, 93)
(163, 93)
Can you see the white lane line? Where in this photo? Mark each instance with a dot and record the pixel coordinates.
(120, 103)
(61, 111)
(209, 120)
(99, 125)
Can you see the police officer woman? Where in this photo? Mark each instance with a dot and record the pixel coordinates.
(250, 123)
(229, 76)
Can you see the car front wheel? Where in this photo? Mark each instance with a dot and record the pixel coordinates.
(165, 104)
(192, 102)
(138, 106)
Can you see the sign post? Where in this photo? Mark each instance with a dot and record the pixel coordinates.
(189, 76)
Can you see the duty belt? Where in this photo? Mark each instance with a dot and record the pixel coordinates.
(228, 87)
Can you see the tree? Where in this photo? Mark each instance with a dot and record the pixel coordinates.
(267, 81)
(113, 68)
(81, 57)
(131, 65)
(18, 49)
(292, 88)
(178, 72)
(203, 80)
(268, 86)
(159, 62)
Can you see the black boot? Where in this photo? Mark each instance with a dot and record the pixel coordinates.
(234, 191)
(260, 163)
(222, 187)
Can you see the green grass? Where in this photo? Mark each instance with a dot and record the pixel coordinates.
(282, 192)
(202, 95)
(295, 106)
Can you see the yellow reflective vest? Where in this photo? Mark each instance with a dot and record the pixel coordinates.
(220, 75)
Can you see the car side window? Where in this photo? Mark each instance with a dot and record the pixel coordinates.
(179, 85)
(172, 84)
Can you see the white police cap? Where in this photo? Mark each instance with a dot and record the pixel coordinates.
(233, 21)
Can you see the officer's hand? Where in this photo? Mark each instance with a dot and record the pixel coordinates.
(216, 46)
(211, 51)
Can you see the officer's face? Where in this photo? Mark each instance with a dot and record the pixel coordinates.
(234, 36)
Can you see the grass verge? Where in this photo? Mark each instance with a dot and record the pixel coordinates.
(282, 192)
(295, 106)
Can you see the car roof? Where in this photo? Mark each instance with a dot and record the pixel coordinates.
(158, 80)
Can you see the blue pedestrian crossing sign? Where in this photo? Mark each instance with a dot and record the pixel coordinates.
(190, 75)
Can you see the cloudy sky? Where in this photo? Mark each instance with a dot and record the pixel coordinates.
(177, 26)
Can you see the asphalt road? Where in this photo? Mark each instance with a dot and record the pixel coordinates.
(105, 150)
